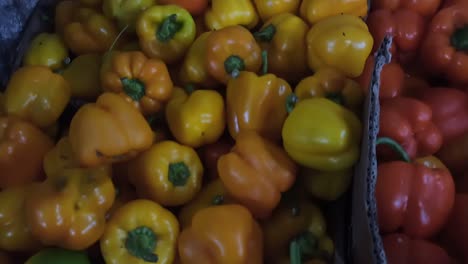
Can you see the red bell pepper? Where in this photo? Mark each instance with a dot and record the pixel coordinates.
(409, 122)
(455, 233)
(449, 111)
(401, 249)
(424, 7)
(405, 25)
(391, 78)
(454, 154)
(412, 197)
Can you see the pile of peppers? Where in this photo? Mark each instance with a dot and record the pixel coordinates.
(422, 184)
(188, 131)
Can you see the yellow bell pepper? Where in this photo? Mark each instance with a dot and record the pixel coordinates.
(224, 13)
(168, 173)
(315, 10)
(69, 208)
(38, 95)
(140, 232)
(47, 50)
(329, 83)
(59, 158)
(15, 234)
(296, 217)
(110, 130)
(283, 37)
(83, 76)
(327, 186)
(92, 3)
(213, 194)
(125, 12)
(322, 135)
(165, 32)
(269, 8)
(252, 101)
(193, 69)
(196, 118)
(340, 41)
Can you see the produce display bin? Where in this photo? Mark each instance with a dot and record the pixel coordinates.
(352, 218)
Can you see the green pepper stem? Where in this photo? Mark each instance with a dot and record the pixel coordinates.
(395, 146)
(179, 174)
(233, 65)
(291, 102)
(141, 243)
(295, 253)
(189, 88)
(335, 97)
(168, 28)
(459, 39)
(266, 34)
(264, 62)
(134, 88)
(218, 200)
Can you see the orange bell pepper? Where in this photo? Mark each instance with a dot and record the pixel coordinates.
(69, 209)
(22, 149)
(107, 131)
(231, 50)
(252, 99)
(225, 234)
(256, 172)
(144, 82)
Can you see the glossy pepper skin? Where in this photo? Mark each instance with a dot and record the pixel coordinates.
(315, 10)
(194, 70)
(340, 41)
(225, 13)
(401, 249)
(405, 26)
(140, 232)
(251, 100)
(256, 172)
(59, 256)
(195, 7)
(212, 194)
(409, 121)
(68, 210)
(270, 8)
(36, 94)
(196, 118)
(292, 219)
(333, 135)
(165, 32)
(82, 74)
(86, 30)
(333, 85)
(231, 50)
(449, 111)
(327, 186)
(107, 131)
(283, 37)
(15, 233)
(60, 157)
(125, 12)
(392, 79)
(455, 231)
(46, 49)
(144, 82)
(455, 153)
(234, 238)
(443, 51)
(168, 173)
(405, 198)
(425, 8)
(21, 143)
